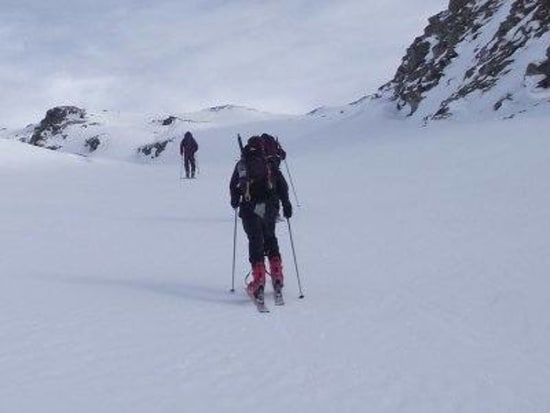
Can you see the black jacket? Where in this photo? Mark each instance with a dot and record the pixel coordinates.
(188, 145)
(248, 193)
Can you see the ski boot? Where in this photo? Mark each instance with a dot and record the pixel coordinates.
(255, 288)
(276, 271)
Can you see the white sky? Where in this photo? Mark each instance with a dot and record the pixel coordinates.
(286, 56)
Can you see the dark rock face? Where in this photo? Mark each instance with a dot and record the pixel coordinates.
(153, 150)
(92, 143)
(456, 5)
(168, 121)
(426, 59)
(541, 69)
(220, 108)
(54, 122)
(466, 25)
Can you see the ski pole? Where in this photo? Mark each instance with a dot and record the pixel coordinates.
(234, 253)
(295, 262)
(292, 184)
(181, 168)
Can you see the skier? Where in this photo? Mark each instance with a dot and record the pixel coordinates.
(257, 188)
(188, 147)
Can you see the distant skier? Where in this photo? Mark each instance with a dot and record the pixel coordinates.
(257, 188)
(188, 147)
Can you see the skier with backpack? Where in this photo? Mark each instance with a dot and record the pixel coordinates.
(188, 147)
(256, 188)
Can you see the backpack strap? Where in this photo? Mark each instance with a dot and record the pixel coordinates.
(243, 180)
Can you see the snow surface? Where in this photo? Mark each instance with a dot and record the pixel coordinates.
(423, 254)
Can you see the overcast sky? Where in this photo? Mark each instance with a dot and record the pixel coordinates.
(285, 56)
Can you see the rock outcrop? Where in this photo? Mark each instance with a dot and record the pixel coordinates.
(476, 56)
(54, 123)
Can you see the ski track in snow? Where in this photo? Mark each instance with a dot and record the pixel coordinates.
(423, 254)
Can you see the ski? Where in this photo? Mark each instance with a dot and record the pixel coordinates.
(261, 306)
(259, 302)
(278, 293)
(279, 300)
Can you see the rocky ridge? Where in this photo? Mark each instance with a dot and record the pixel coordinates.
(128, 136)
(493, 53)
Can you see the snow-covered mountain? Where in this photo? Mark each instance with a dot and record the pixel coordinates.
(478, 58)
(127, 136)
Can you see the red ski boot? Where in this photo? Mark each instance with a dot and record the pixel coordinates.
(276, 271)
(256, 287)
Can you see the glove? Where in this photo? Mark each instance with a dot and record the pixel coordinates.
(234, 202)
(287, 209)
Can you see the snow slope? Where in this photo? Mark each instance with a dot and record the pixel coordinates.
(423, 255)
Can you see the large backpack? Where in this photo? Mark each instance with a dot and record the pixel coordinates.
(272, 149)
(254, 171)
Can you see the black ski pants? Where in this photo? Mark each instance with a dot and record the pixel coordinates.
(190, 165)
(262, 240)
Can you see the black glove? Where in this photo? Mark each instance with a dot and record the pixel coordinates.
(234, 202)
(287, 209)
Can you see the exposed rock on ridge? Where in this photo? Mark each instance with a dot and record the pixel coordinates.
(55, 121)
(474, 47)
